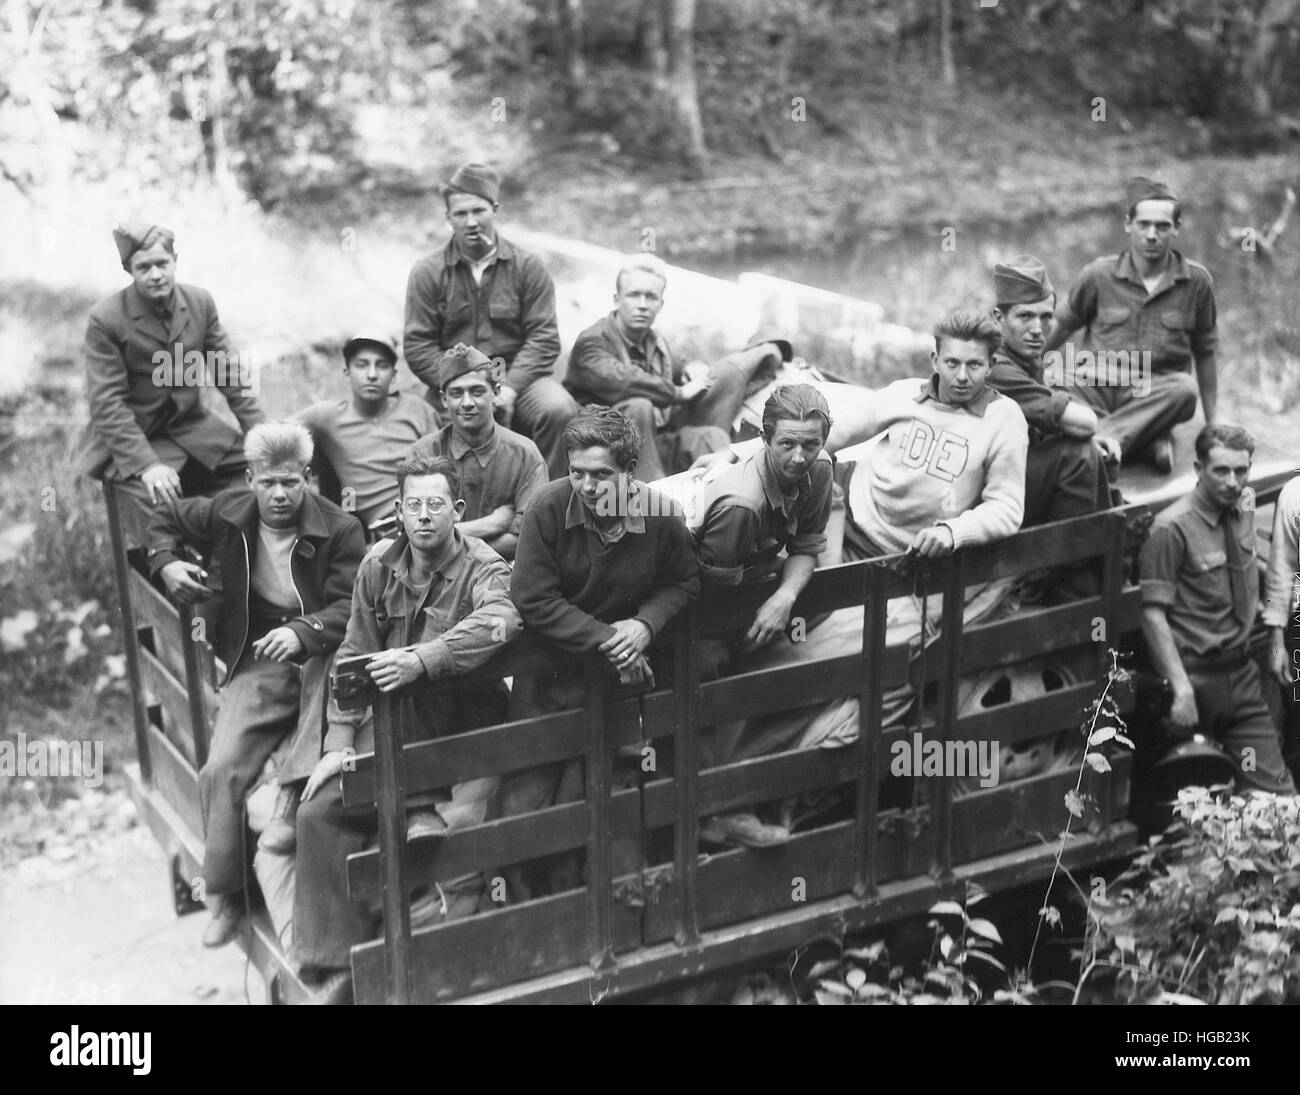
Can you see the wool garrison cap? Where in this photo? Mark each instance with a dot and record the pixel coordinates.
(138, 236)
(462, 359)
(1140, 189)
(1021, 280)
(371, 338)
(477, 178)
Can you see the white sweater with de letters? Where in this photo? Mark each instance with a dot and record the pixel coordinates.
(930, 463)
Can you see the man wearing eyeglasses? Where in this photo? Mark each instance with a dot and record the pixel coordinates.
(499, 470)
(430, 604)
(287, 559)
(1152, 311)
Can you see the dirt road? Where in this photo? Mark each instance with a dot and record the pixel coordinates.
(88, 919)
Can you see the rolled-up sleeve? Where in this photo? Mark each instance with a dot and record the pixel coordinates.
(1161, 560)
(725, 540)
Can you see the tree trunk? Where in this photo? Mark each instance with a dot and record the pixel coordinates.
(683, 95)
(571, 29)
(216, 140)
(945, 44)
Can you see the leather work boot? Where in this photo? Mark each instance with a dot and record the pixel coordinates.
(1162, 454)
(224, 925)
(281, 833)
(744, 829)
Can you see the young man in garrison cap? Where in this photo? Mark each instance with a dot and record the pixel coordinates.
(366, 436)
(482, 290)
(150, 349)
(683, 409)
(1149, 313)
(499, 470)
(1066, 474)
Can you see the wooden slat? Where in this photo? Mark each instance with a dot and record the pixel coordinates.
(760, 692)
(155, 612)
(175, 778)
(494, 845)
(494, 948)
(171, 698)
(781, 932)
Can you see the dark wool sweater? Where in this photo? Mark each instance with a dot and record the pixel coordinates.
(569, 586)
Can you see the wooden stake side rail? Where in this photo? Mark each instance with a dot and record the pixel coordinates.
(610, 921)
(688, 914)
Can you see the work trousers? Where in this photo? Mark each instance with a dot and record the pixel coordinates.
(543, 409)
(259, 708)
(692, 429)
(1134, 420)
(327, 924)
(196, 479)
(1064, 477)
(1230, 707)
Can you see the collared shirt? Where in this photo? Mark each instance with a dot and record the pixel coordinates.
(477, 266)
(631, 519)
(506, 470)
(570, 586)
(749, 520)
(1185, 570)
(1177, 322)
(453, 623)
(509, 313)
(1021, 378)
(604, 367)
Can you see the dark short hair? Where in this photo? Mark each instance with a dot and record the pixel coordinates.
(795, 403)
(968, 325)
(607, 428)
(1178, 209)
(447, 190)
(1225, 436)
(429, 465)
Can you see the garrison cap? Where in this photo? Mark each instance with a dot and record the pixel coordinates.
(136, 236)
(462, 359)
(372, 338)
(477, 178)
(1140, 189)
(1021, 280)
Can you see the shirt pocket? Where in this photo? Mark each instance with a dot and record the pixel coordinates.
(1111, 320)
(505, 317)
(456, 316)
(1172, 330)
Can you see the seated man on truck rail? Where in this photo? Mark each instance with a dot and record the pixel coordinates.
(365, 436)
(500, 471)
(682, 408)
(150, 350)
(1200, 592)
(604, 564)
(765, 515)
(430, 604)
(288, 559)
